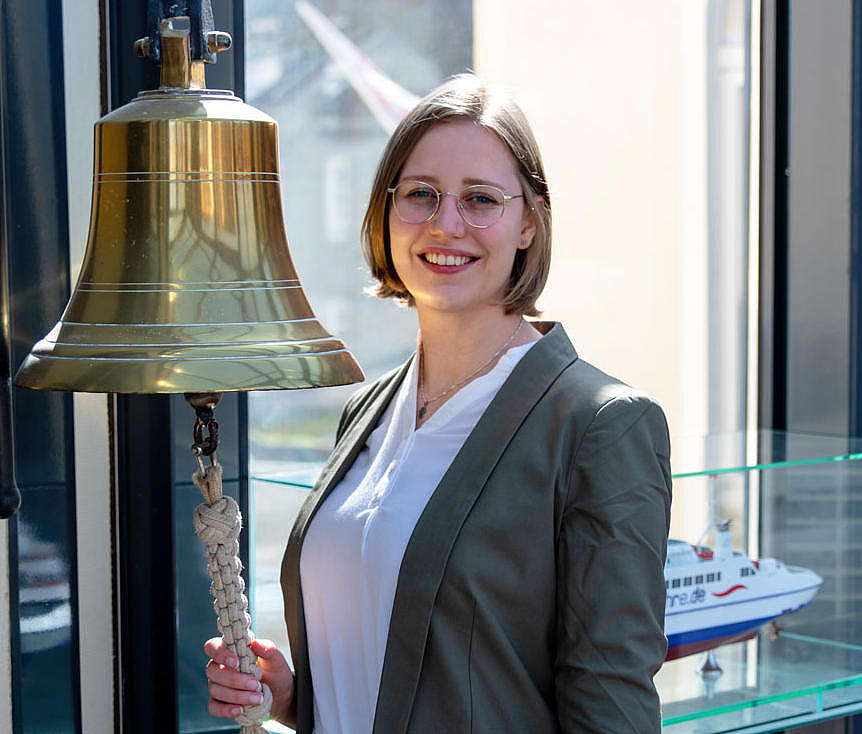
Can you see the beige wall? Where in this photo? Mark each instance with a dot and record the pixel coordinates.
(616, 93)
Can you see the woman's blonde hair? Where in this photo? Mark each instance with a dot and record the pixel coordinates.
(464, 97)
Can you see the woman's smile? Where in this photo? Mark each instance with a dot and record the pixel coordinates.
(446, 261)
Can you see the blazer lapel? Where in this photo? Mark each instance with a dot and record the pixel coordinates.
(343, 456)
(432, 540)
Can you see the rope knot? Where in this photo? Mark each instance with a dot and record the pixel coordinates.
(252, 716)
(218, 523)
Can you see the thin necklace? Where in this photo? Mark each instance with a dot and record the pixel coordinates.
(427, 401)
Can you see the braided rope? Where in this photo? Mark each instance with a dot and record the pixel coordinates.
(218, 523)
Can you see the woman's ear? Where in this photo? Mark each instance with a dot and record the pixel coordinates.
(528, 222)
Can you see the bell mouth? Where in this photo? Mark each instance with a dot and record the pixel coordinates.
(188, 336)
(66, 360)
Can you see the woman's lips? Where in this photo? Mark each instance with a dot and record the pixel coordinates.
(440, 258)
(446, 262)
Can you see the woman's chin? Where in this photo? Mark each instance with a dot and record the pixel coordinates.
(457, 307)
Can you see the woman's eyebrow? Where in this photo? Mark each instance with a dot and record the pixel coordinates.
(428, 178)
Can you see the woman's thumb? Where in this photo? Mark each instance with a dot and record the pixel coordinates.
(263, 648)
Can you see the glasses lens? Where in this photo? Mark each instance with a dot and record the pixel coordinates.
(481, 206)
(415, 202)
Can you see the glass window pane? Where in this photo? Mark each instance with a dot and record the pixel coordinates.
(330, 140)
(642, 114)
(47, 677)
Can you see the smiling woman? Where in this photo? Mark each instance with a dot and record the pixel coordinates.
(484, 549)
(500, 144)
(446, 263)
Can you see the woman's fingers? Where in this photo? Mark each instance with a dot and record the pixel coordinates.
(223, 710)
(225, 677)
(243, 697)
(230, 690)
(217, 651)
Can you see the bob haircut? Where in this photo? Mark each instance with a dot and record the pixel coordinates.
(464, 97)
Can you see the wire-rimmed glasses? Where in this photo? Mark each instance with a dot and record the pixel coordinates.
(480, 206)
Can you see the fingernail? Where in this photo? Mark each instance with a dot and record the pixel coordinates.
(256, 698)
(252, 685)
(233, 662)
(235, 711)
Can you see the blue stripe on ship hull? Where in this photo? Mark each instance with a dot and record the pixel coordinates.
(711, 633)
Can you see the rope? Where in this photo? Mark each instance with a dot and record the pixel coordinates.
(218, 523)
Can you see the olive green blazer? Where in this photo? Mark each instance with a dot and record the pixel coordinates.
(531, 594)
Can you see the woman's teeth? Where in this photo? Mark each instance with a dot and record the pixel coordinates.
(440, 259)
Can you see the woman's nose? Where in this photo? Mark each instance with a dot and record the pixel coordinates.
(448, 218)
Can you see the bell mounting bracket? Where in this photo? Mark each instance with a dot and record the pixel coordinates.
(206, 427)
(204, 40)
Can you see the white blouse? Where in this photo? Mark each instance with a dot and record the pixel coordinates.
(353, 548)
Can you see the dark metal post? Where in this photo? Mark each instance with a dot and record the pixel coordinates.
(10, 497)
(781, 174)
(855, 427)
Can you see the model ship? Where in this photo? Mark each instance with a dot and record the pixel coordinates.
(717, 596)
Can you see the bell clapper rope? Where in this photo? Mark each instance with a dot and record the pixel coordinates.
(218, 522)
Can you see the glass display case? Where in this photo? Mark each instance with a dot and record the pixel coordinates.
(796, 498)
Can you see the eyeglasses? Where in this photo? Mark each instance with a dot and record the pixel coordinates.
(480, 206)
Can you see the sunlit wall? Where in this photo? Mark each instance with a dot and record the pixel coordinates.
(641, 110)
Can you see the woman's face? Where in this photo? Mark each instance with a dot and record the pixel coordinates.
(452, 156)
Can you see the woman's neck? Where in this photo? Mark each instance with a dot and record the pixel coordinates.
(458, 347)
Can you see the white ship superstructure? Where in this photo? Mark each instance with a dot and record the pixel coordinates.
(721, 596)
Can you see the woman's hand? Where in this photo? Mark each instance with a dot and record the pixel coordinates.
(230, 690)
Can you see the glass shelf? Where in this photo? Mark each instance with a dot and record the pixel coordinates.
(727, 453)
(765, 685)
(292, 474)
(808, 512)
(698, 456)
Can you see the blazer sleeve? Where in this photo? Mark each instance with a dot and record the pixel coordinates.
(611, 549)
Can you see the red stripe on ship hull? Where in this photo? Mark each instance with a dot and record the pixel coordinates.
(730, 590)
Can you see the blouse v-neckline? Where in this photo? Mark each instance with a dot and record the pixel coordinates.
(406, 399)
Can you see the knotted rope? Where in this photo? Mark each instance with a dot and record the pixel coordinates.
(218, 522)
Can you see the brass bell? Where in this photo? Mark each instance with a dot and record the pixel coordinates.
(187, 283)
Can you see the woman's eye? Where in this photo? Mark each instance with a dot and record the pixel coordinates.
(419, 193)
(480, 198)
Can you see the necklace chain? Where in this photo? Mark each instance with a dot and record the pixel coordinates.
(427, 401)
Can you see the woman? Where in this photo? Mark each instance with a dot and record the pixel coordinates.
(484, 549)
